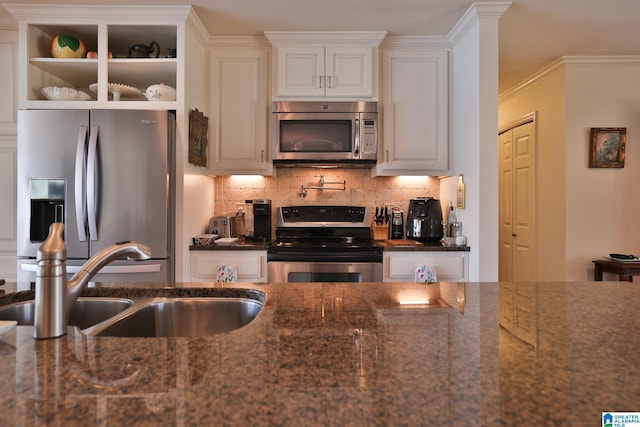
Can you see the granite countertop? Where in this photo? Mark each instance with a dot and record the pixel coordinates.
(346, 354)
(407, 245)
(244, 245)
(241, 244)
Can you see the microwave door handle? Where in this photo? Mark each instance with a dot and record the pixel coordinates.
(79, 191)
(356, 140)
(91, 182)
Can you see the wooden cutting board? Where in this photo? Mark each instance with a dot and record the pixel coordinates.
(402, 242)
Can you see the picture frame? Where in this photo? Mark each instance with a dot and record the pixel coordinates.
(607, 147)
(198, 137)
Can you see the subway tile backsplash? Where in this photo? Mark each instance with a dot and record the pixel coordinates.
(360, 188)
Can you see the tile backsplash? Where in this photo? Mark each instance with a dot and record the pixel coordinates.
(360, 188)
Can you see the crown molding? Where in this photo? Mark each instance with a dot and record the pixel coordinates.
(79, 14)
(570, 61)
(8, 22)
(475, 12)
(238, 41)
(325, 37)
(415, 41)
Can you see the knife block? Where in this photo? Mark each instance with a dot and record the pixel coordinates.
(380, 232)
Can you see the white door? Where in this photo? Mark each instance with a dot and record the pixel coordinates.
(517, 260)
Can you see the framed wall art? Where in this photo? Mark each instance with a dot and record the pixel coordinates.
(607, 147)
(198, 138)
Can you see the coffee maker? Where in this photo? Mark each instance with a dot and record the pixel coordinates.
(262, 220)
(424, 220)
(396, 224)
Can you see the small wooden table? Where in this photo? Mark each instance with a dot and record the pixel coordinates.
(625, 270)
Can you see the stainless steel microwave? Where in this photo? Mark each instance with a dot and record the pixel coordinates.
(317, 133)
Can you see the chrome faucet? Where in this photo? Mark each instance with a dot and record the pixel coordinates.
(55, 295)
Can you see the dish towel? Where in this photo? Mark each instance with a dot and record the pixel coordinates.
(227, 273)
(425, 274)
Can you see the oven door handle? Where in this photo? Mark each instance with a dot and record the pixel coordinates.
(372, 257)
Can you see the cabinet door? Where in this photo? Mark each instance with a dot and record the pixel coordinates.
(349, 72)
(251, 265)
(415, 138)
(400, 266)
(8, 83)
(8, 154)
(8, 219)
(300, 71)
(240, 109)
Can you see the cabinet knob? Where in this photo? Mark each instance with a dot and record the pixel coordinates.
(261, 156)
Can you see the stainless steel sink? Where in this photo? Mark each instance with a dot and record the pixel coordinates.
(180, 317)
(85, 313)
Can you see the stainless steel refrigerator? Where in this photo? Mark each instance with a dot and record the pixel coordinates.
(108, 175)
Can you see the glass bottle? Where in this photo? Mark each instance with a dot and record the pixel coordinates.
(451, 219)
(248, 219)
(460, 192)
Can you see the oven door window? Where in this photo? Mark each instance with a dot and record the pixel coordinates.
(315, 136)
(310, 276)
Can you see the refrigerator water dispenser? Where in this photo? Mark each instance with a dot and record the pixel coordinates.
(47, 206)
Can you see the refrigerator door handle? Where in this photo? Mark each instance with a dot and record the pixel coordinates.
(81, 222)
(92, 180)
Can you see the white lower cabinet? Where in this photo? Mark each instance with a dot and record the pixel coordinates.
(251, 265)
(400, 266)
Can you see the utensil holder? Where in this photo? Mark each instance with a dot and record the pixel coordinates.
(380, 232)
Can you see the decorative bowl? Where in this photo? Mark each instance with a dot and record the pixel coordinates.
(65, 46)
(54, 93)
(160, 92)
(449, 241)
(117, 90)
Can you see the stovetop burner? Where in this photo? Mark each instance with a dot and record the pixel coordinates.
(324, 231)
(325, 245)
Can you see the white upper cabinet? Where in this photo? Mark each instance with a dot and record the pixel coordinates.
(343, 72)
(116, 74)
(240, 108)
(336, 65)
(299, 72)
(414, 110)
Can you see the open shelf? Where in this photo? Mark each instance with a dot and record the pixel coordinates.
(79, 73)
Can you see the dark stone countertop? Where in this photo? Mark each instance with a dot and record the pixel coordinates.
(240, 245)
(346, 354)
(243, 245)
(421, 247)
